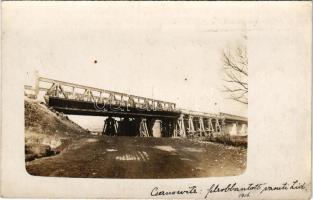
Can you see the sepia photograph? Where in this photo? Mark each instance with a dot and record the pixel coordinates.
(156, 99)
(161, 97)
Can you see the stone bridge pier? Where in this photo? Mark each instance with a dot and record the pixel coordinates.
(236, 128)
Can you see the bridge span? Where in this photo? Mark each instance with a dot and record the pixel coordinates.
(136, 115)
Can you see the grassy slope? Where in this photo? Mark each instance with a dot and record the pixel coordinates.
(46, 129)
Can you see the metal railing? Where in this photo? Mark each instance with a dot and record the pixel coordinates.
(72, 91)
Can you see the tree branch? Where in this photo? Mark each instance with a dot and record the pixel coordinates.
(236, 72)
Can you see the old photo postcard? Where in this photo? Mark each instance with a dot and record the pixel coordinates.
(164, 99)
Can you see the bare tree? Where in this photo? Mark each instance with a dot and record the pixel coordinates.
(235, 69)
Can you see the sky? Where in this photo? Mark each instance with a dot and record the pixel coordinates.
(163, 51)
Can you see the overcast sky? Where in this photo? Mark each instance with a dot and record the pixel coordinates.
(158, 50)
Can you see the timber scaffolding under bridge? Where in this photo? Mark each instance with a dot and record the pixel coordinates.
(138, 116)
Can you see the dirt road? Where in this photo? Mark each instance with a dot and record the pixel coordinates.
(134, 157)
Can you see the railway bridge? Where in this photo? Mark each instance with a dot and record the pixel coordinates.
(128, 114)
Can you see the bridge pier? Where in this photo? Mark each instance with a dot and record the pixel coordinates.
(156, 127)
(210, 128)
(218, 127)
(191, 128)
(143, 128)
(110, 126)
(223, 125)
(180, 130)
(201, 127)
(167, 128)
(127, 127)
(243, 129)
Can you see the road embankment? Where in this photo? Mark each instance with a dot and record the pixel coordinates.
(47, 132)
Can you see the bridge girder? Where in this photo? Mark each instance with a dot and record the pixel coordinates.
(65, 97)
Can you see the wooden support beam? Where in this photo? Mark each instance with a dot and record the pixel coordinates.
(116, 126)
(180, 127)
(175, 133)
(104, 128)
(223, 124)
(210, 128)
(201, 127)
(191, 128)
(143, 129)
(217, 125)
(110, 126)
